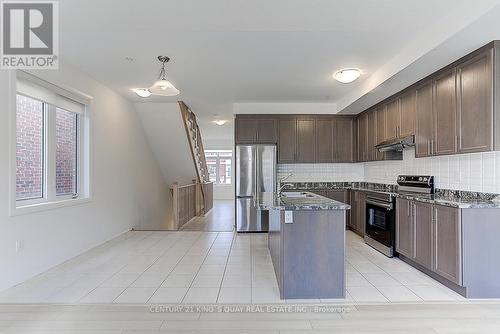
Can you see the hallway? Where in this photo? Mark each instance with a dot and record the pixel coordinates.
(219, 219)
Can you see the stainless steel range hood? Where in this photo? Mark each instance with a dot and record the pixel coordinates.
(396, 144)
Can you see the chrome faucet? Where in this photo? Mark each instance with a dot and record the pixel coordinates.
(282, 186)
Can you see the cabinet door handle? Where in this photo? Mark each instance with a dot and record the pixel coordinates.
(432, 146)
(409, 212)
(429, 146)
(456, 143)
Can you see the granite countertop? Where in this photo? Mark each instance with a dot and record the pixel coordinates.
(455, 202)
(452, 198)
(272, 201)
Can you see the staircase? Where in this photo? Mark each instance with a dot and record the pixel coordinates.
(196, 145)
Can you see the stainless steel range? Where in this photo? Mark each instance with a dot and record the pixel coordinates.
(416, 184)
(380, 222)
(381, 211)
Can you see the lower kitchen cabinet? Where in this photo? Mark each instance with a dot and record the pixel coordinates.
(358, 212)
(448, 243)
(343, 196)
(404, 228)
(431, 236)
(422, 215)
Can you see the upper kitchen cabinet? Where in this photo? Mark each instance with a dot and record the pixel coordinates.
(362, 141)
(455, 110)
(287, 138)
(372, 135)
(266, 131)
(343, 138)
(475, 103)
(306, 140)
(245, 130)
(424, 122)
(252, 130)
(325, 140)
(392, 120)
(407, 109)
(445, 113)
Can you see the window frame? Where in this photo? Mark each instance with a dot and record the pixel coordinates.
(217, 159)
(49, 199)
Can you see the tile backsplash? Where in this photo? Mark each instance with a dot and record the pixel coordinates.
(471, 172)
(322, 172)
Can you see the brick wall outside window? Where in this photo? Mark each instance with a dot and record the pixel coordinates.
(29, 156)
(66, 150)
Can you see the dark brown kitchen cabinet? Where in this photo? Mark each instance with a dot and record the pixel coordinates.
(320, 192)
(380, 124)
(445, 114)
(380, 131)
(344, 140)
(246, 130)
(392, 120)
(286, 140)
(404, 228)
(362, 137)
(306, 140)
(407, 108)
(266, 131)
(475, 104)
(422, 215)
(431, 235)
(448, 243)
(343, 196)
(424, 120)
(325, 140)
(358, 214)
(372, 136)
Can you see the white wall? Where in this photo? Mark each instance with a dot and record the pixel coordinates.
(473, 172)
(128, 189)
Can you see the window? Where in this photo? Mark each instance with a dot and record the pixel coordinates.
(29, 148)
(49, 138)
(219, 163)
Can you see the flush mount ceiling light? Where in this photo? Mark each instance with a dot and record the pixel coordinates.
(162, 86)
(347, 75)
(220, 122)
(142, 92)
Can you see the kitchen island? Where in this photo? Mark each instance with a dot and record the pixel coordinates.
(307, 243)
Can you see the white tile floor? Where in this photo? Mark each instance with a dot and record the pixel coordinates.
(211, 267)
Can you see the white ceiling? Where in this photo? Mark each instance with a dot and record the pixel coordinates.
(227, 51)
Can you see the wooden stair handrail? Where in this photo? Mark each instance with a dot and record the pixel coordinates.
(195, 144)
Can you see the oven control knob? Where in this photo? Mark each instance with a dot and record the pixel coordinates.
(425, 179)
(420, 179)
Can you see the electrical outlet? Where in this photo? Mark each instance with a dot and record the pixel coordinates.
(288, 217)
(19, 246)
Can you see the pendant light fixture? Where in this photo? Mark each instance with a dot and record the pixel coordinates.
(162, 86)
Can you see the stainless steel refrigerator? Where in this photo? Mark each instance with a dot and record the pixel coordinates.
(255, 173)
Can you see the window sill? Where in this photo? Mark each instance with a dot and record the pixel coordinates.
(32, 208)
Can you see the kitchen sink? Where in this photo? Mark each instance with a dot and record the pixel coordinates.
(296, 194)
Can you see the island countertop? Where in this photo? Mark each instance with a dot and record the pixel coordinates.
(272, 201)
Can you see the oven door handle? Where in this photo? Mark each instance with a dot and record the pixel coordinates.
(375, 202)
